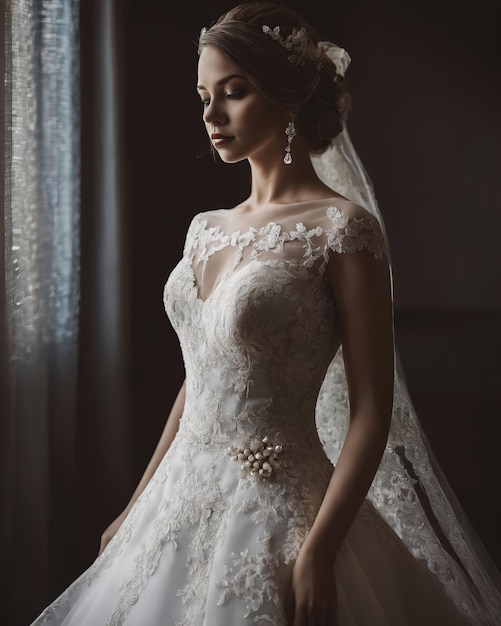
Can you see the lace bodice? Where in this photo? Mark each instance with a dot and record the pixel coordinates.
(257, 323)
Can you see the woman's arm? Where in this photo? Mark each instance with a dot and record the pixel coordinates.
(167, 437)
(361, 285)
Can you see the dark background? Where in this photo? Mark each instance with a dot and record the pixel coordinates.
(426, 99)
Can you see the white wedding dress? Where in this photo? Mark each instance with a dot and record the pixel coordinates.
(213, 538)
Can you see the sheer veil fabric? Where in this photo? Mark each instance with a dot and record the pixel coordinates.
(409, 490)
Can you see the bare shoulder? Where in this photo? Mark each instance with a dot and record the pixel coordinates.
(208, 213)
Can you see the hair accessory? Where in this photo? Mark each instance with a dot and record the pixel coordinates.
(297, 43)
(291, 132)
(339, 56)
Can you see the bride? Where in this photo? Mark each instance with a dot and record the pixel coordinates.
(291, 484)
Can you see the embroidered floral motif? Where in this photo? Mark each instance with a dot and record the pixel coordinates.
(345, 234)
(350, 234)
(250, 577)
(271, 238)
(311, 249)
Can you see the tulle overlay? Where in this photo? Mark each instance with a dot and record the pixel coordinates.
(213, 538)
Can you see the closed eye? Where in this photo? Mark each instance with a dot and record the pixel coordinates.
(236, 95)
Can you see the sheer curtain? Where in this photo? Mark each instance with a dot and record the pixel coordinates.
(41, 274)
(62, 359)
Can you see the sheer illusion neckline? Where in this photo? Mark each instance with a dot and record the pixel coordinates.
(213, 236)
(273, 213)
(195, 287)
(237, 238)
(237, 231)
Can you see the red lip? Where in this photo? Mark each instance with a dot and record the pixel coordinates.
(219, 140)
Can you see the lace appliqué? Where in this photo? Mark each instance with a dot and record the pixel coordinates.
(346, 234)
(351, 234)
(250, 577)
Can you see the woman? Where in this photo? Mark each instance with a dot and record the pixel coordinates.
(239, 518)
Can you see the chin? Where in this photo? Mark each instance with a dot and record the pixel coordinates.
(232, 159)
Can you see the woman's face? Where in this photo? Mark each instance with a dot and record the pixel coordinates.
(240, 122)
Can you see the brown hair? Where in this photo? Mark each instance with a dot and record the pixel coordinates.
(315, 91)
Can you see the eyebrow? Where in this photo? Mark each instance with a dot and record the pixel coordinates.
(223, 81)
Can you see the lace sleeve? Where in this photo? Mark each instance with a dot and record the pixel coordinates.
(193, 234)
(350, 234)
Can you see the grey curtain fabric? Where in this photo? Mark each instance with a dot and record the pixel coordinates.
(41, 239)
(62, 331)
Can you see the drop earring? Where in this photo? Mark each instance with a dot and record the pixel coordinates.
(291, 132)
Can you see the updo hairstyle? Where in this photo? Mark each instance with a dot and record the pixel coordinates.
(315, 91)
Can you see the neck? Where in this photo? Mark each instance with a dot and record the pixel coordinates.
(274, 182)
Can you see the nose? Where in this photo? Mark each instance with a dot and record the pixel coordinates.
(214, 114)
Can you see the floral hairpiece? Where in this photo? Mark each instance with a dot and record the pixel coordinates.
(297, 43)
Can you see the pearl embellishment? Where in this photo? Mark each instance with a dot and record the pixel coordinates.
(258, 457)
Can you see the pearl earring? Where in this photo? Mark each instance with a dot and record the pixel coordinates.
(291, 132)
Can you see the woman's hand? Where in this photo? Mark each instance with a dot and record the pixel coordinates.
(110, 532)
(312, 600)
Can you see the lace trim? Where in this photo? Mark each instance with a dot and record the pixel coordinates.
(351, 234)
(347, 234)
